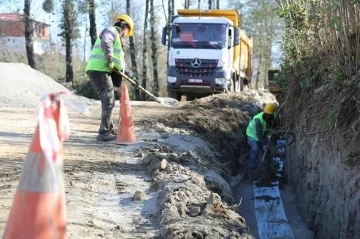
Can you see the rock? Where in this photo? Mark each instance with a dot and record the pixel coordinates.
(173, 157)
(193, 154)
(172, 212)
(172, 200)
(194, 211)
(213, 198)
(95, 223)
(138, 196)
(165, 136)
(213, 235)
(188, 193)
(72, 183)
(163, 164)
(217, 182)
(182, 209)
(100, 235)
(194, 234)
(169, 170)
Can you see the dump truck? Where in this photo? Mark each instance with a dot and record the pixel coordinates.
(208, 53)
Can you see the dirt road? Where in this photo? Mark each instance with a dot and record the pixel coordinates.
(98, 176)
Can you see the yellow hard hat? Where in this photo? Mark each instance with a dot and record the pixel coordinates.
(269, 108)
(129, 22)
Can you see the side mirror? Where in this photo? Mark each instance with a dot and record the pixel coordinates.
(163, 37)
(237, 36)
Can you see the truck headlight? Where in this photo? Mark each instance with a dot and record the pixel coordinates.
(220, 81)
(171, 79)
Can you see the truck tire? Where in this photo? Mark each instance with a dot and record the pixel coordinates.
(242, 86)
(235, 83)
(245, 84)
(175, 95)
(230, 86)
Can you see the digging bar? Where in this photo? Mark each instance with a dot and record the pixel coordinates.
(161, 100)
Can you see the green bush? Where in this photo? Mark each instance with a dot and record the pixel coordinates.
(84, 88)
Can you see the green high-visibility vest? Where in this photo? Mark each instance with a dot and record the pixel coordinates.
(251, 129)
(97, 59)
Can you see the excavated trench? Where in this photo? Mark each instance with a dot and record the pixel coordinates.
(268, 206)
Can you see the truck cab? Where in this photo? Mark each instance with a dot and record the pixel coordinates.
(202, 54)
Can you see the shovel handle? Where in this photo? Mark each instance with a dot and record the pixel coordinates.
(135, 83)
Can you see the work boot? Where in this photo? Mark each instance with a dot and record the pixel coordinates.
(113, 129)
(252, 174)
(104, 137)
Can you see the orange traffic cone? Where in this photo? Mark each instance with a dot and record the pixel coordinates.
(126, 128)
(38, 209)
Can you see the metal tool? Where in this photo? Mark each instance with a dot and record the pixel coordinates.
(161, 100)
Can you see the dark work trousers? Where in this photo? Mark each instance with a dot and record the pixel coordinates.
(103, 85)
(255, 148)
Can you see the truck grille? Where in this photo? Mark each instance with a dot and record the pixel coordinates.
(207, 67)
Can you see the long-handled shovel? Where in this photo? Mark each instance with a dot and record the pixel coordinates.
(161, 100)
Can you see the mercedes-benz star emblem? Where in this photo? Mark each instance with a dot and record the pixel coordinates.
(196, 62)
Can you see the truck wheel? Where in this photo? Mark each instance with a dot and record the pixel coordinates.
(175, 95)
(241, 84)
(237, 86)
(245, 84)
(235, 83)
(190, 97)
(230, 86)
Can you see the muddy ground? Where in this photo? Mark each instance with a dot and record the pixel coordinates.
(187, 168)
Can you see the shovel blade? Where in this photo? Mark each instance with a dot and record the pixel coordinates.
(167, 101)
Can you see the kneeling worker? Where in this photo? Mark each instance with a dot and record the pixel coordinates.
(258, 132)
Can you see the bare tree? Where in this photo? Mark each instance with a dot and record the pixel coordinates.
(170, 14)
(133, 54)
(29, 28)
(92, 18)
(154, 49)
(210, 4)
(187, 4)
(144, 45)
(69, 32)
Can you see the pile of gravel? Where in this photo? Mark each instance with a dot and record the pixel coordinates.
(21, 86)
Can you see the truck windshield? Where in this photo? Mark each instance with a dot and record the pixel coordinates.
(199, 35)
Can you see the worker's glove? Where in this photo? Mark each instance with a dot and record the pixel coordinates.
(110, 64)
(136, 83)
(128, 72)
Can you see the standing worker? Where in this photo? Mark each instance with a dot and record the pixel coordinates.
(258, 134)
(107, 57)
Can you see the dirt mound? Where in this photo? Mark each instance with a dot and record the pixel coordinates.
(22, 86)
(222, 120)
(194, 201)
